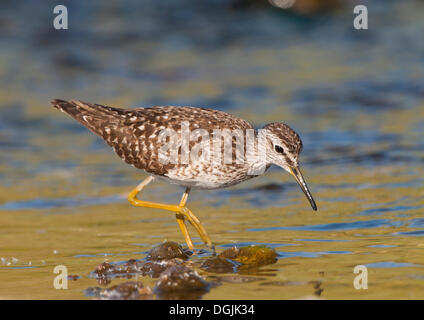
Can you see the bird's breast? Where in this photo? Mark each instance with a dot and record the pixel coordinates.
(203, 176)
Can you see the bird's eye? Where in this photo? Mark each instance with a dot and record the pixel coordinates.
(279, 149)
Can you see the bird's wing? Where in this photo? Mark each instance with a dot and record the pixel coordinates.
(134, 134)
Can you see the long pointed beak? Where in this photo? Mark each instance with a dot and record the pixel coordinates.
(295, 172)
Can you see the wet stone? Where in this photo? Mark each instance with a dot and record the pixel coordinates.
(154, 269)
(220, 265)
(104, 269)
(251, 256)
(130, 266)
(73, 277)
(110, 270)
(124, 291)
(146, 268)
(180, 282)
(166, 251)
(105, 272)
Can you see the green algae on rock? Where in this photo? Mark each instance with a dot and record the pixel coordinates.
(251, 256)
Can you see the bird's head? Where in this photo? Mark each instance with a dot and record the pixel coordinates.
(283, 146)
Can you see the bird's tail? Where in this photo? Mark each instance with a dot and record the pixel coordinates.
(112, 124)
(93, 116)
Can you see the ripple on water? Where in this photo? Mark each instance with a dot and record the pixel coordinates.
(323, 240)
(43, 203)
(248, 243)
(380, 211)
(382, 246)
(418, 233)
(416, 223)
(338, 226)
(391, 264)
(308, 254)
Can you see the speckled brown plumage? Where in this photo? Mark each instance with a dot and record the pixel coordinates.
(133, 134)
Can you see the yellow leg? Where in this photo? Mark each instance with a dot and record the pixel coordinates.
(182, 212)
(181, 219)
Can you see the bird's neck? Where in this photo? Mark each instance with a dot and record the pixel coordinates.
(256, 153)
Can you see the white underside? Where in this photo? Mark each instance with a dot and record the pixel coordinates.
(195, 184)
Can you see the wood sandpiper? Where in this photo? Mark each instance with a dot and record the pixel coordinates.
(134, 136)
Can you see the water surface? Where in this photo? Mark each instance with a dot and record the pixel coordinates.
(355, 98)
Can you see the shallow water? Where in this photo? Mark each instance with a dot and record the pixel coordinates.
(356, 99)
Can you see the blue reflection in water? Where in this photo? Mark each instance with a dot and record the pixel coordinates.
(391, 264)
(42, 203)
(309, 254)
(338, 226)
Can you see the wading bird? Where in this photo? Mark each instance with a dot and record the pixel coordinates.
(134, 134)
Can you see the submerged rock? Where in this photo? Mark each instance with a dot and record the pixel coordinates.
(220, 265)
(154, 269)
(180, 282)
(104, 269)
(124, 291)
(251, 256)
(150, 268)
(166, 251)
(105, 272)
(237, 279)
